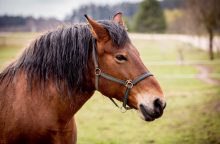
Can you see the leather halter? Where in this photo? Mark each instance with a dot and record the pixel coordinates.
(127, 83)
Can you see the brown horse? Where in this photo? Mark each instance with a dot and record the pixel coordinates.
(42, 90)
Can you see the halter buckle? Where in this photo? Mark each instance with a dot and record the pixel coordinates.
(129, 84)
(98, 71)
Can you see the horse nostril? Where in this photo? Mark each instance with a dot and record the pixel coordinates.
(158, 103)
(158, 106)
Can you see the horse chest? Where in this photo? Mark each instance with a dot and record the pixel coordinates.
(46, 137)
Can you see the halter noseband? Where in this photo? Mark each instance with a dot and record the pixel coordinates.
(127, 83)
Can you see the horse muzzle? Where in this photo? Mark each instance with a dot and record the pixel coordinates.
(150, 113)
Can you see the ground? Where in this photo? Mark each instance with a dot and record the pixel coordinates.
(189, 80)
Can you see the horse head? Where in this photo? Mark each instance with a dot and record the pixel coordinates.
(120, 72)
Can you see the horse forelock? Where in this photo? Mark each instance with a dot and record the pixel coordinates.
(62, 55)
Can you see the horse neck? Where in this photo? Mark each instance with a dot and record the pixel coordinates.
(57, 107)
(79, 97)
(67, 105)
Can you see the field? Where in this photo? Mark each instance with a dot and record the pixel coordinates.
(192, 115)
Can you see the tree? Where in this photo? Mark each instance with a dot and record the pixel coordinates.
(150, 17)
(207, 13)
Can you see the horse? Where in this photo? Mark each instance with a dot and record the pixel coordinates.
(41, 91)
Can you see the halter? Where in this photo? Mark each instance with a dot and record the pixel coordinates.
(127, 83)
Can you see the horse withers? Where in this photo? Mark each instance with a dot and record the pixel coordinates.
(42, 90)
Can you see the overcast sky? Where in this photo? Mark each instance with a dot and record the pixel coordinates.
(48, 8)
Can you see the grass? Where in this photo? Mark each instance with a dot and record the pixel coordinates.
(12, 45)
(192, 115)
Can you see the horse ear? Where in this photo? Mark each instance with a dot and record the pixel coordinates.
(97, 30)
(118, 19)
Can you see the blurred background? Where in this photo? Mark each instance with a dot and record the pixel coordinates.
(178, 41)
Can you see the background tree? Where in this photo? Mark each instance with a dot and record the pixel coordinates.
(150, 17)
(207, 13)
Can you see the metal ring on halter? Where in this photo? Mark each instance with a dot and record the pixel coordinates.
(98, 71)
(129, 84)
(122, 109)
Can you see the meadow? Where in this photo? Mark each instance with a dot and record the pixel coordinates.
(192, 115)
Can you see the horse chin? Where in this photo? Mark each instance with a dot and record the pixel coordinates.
(148, 118)
(145, 114)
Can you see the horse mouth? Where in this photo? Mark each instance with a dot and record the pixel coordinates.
(146, 115)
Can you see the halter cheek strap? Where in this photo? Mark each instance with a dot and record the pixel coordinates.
(127, 83)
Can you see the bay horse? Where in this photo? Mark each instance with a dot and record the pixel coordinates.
(42, 90)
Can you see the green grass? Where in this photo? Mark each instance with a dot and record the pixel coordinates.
(192, 115)
(12, 45)
(159, 51)
(188, 118)
(214, 71)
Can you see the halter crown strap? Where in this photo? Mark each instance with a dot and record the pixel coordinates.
(127, 83)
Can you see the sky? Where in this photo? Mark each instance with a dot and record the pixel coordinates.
(48, 8)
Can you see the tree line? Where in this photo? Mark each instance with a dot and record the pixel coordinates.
(130, 10)
(149, 16)
(26, 24)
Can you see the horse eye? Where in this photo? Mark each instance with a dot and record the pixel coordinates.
(121, 58)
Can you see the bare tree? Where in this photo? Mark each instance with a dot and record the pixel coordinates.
(207, 13)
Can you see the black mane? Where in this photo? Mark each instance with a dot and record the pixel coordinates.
(62, 55)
